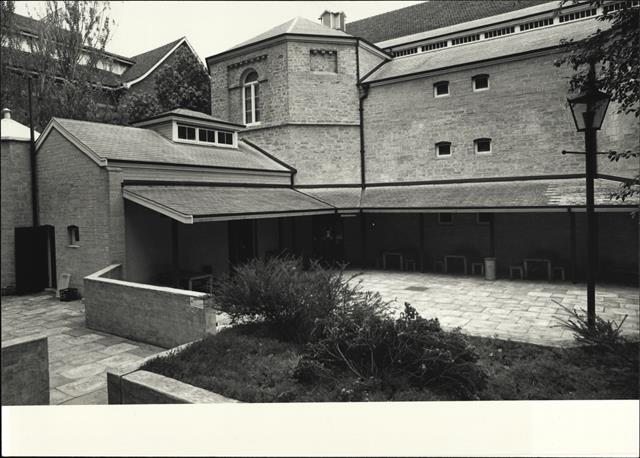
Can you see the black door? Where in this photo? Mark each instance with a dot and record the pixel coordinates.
(241, 241)
(35, 259)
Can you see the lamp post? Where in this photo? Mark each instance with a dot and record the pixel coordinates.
(588, 109)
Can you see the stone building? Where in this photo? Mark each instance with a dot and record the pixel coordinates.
(430, 150)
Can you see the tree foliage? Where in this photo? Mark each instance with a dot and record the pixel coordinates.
(614, 48)
(66, 51)
(182, 82)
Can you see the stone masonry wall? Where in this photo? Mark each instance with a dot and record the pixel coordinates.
(524, 113)
(368, 61)
(16, 203)
(228, 76)
(74, 190)
(25, 372)
(320, 153)
(160, 316)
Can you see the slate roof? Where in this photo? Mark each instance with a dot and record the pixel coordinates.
(517, 193)
(431, 15)
(297, 25)
(143, 62)
(124, 143)
(343, 198)
(494, 48)
(199, 201)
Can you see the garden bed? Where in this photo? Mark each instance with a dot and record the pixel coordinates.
(248, 363)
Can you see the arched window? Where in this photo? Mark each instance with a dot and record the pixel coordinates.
(251, 98)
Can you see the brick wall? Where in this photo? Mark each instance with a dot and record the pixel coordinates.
(524, 113)
(25, 372)
(160, 316)
(16, 202)
(74, 190)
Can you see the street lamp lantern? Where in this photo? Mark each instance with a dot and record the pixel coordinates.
(588, 109)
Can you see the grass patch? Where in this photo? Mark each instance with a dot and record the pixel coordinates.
(248, 363)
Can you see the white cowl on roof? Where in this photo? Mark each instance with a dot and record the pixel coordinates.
(13, 130)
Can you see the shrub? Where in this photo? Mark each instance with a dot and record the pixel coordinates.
(604, 333)
(281, 292)
(361, 337)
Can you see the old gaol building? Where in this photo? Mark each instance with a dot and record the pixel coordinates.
(427, 138)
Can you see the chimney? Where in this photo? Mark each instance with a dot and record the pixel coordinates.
(334, 20)
(6, 113)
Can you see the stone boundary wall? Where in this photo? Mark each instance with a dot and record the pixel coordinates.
(161, 316)
(130, 385)
(25, 371)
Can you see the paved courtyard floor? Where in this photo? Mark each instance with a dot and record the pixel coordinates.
(510, 309)
(78, 357)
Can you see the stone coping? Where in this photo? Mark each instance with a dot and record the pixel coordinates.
(98, 276)
(131, 385)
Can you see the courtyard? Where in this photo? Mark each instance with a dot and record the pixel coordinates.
(508, 309)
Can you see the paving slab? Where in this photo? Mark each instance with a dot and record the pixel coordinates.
(520, 310)
(78, 357)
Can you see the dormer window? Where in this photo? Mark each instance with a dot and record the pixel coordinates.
(195, 134)
(186, 132)
(480, 82)
(251, 99)
(441, 89)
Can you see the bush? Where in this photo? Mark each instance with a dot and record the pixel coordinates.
(281, 292)
(604, 333)
(361, 337)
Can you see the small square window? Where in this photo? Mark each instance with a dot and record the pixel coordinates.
(482, 145)
(483, 218)
(480, 82)
(443, 149)
(445, 218)
(441, 89)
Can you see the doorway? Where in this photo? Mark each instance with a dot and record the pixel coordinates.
(35, 259)
(242, 243)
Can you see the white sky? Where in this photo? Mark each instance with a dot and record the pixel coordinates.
(212, 26)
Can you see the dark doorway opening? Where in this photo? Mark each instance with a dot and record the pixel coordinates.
(35, 251)
(242, 246)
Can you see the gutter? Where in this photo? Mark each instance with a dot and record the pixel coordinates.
(34, 173)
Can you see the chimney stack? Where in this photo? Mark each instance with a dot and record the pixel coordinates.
(334, 20)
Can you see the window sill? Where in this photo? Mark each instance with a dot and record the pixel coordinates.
(73, 246)
(443, 157)
(440, 96)
(480, 90)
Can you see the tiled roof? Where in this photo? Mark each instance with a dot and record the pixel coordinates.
(486, 49)
(146, 60)
(520, 193)
(143, 145)
(298, 25)
(430, 15)
(223, 201)
(343, 198)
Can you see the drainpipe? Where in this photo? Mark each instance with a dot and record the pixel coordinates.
(363, 90)
(34, 172)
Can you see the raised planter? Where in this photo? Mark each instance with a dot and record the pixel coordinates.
(25, 371)
(131, 385)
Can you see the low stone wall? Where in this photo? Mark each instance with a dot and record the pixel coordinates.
(130, 385)
(25, 371)
(161, 316)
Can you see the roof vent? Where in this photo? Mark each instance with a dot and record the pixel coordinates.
(334, 20)
(6, 113)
